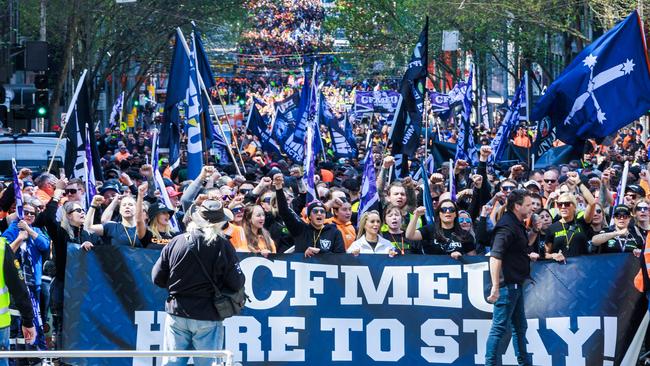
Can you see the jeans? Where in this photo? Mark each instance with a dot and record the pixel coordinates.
(4, 344)
(190, 334)
(508, 312)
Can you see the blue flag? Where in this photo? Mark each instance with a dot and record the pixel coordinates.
(606, 87)
(177, 84)
(159, 182)
(465, 149)
(259, 126)
(369, 195)
(406, 130)
(194, 142)
(91, 183)
(284, 127)
(17, 191)
(116, 112)
(212, 133)
(308, 167)
(344, 144)
(426, 193)
(510, 122)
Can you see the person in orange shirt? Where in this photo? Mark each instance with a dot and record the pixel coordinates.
(342, 217)
(46, 184)
(122, 152)
(256, 238)
(522, 139)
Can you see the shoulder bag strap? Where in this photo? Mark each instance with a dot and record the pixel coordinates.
(194, 249)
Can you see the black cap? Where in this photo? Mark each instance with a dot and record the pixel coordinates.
(157, 208)
(109, 186)
(635, 188)
(621, 210)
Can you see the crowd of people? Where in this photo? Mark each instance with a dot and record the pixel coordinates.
(575, 204)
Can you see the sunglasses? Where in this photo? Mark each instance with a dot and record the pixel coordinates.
(622, 216)
(29, 213)
(237, 210)
(447, 209)
(266, 200)
(643, 208)
(632, 195)
(599, 211)
(464, 220)
(77, 210)
(318, 211)
(227, 197)
(550, 180)
(71, 191)
(508, 188)
(564, 204)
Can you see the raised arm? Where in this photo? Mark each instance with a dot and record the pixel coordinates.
(88, 222)
(140, 224)
(412, 233)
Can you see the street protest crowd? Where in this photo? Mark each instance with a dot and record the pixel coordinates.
(575, 209)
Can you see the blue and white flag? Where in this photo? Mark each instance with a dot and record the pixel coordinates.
(369, 195)
(427, 200)
(429, 168)
(465, 149)
(177, 85)
(159, 182)
(344, 143)
(308, 166)
(606, 87)
(439, 101)
(284, 127)
(17, 191)
(406, 130)
(194, 139)
(259, 126)
(510, 122)
(116, 113)
(91, 183)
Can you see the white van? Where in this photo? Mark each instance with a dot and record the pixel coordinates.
(33, 151)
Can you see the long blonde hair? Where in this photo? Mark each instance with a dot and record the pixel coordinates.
(249, 231)
(156, 230)
(65, 223)
(362, 222)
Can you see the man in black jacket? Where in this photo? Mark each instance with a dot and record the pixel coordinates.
(315, 237)
(192, 320)
(509, 268)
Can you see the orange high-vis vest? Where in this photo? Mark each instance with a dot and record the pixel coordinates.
(638, 280)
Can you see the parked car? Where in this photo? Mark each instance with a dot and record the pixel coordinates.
(33, 151)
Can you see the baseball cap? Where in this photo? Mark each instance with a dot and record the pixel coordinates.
(157, 208)
(108, 187)
(171, 192)
(621, 210)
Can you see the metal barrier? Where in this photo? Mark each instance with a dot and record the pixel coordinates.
(224, 357)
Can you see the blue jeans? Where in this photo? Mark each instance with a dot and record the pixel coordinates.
(508, 312)
(4, 344)
(190, 334)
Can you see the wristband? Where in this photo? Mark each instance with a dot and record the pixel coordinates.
(95, 207)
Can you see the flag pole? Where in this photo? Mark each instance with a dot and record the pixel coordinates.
(232, 129)
(204, 143)
(425, 117)
(73, 102)
(203, 88)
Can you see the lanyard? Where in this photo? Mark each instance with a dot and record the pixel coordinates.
(567, 237)
(317, 237)
(395, 241)
(131, 241)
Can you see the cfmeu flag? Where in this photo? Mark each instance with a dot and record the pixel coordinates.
(510, 122)
(344, 144)
(194, 143)
(466, 150)
(170, 130)
(77, 160)
(369, 195)
(405, 134)
(606, 87)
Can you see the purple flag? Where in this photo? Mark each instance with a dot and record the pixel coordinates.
(18, 192)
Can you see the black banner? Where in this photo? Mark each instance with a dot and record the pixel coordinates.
(342, 309)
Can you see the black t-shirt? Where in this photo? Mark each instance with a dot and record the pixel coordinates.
(571, 238)
(149, 241)
(401, 244)
(446, 243)
(621, 244)
(118, 234)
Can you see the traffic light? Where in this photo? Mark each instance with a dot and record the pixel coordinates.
(42, 96)
(136, 102)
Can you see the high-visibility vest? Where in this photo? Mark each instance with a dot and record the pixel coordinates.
(5, 317)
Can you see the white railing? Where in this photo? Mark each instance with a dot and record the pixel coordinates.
(223, 357)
